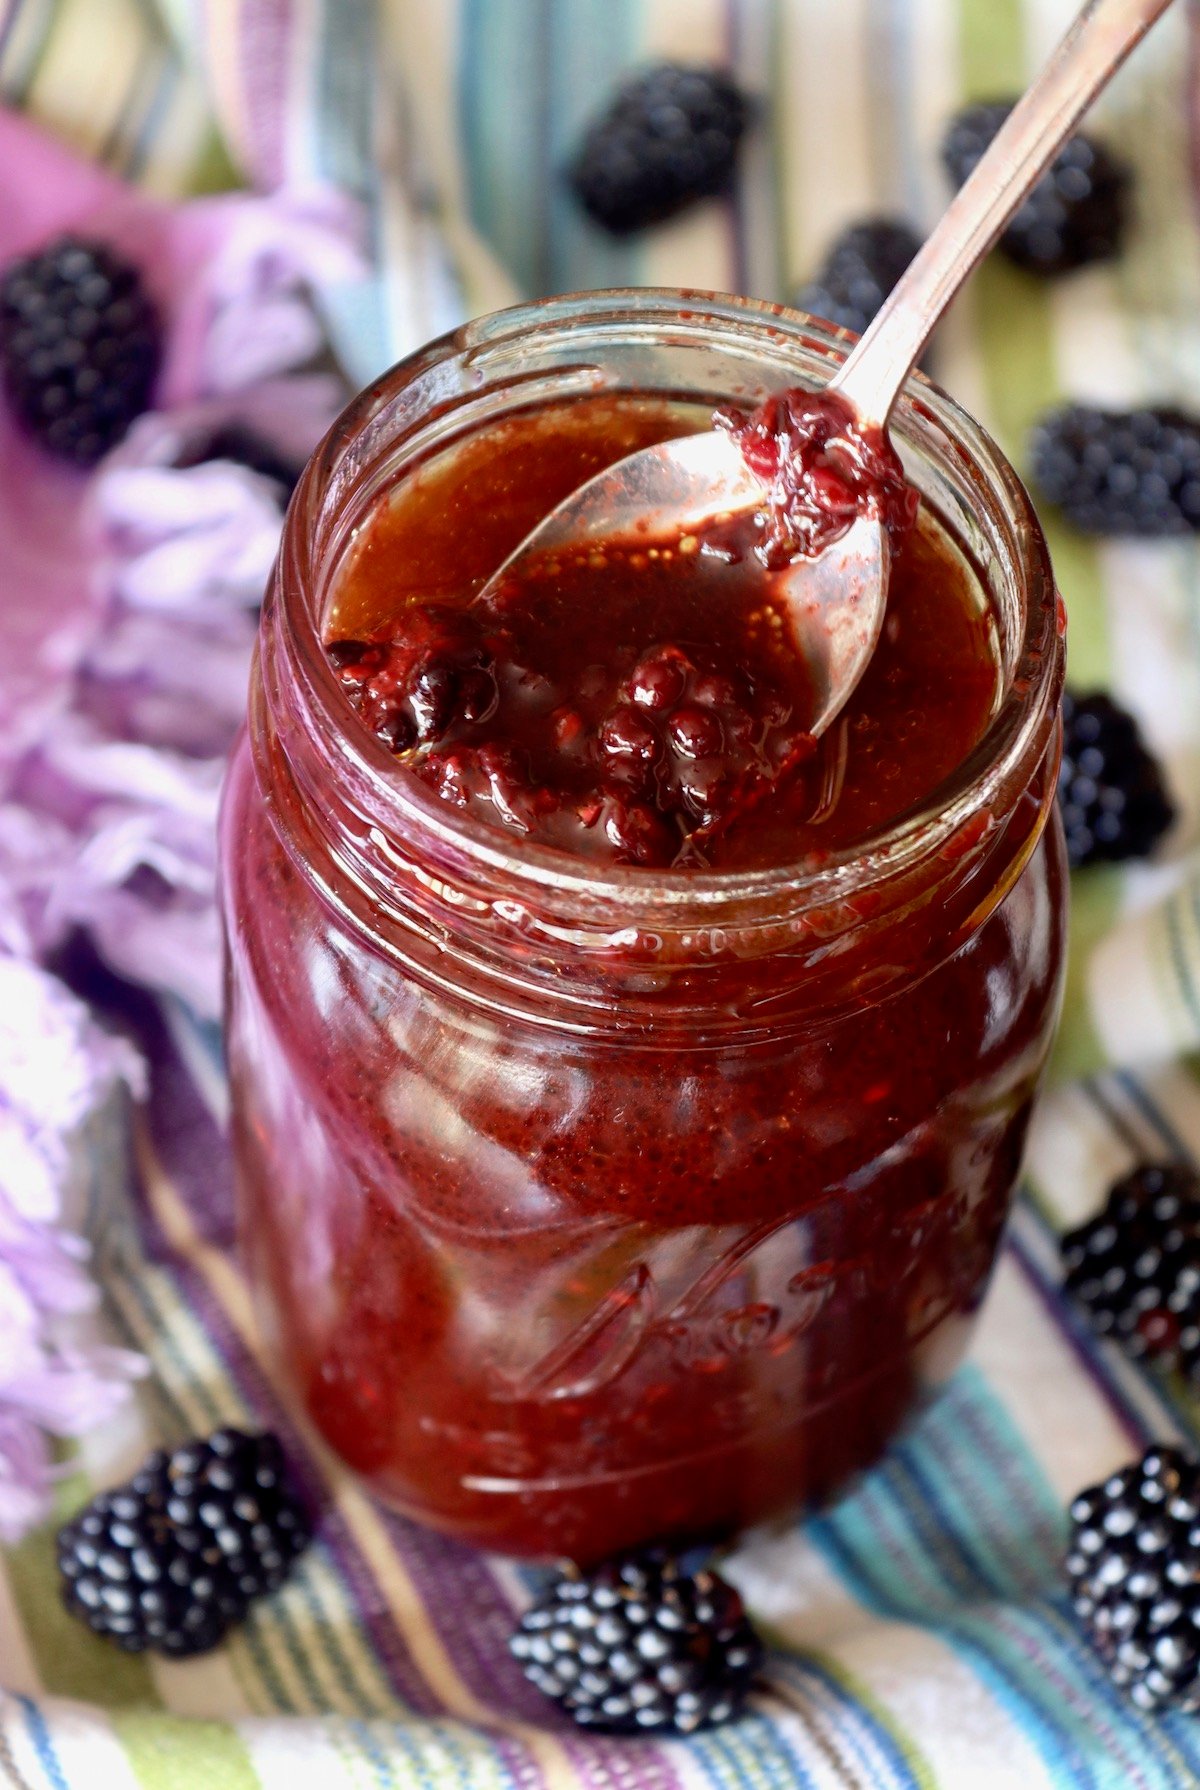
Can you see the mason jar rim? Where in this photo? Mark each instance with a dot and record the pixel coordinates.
(399, 804)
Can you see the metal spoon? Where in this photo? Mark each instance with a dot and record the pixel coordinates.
(836, 601)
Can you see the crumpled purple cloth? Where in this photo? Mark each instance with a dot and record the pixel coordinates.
(128, 604)
(56, 1067)
(129, 595)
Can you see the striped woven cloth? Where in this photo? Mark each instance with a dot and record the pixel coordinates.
(919, 1633)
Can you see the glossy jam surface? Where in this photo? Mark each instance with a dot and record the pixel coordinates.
(571, 1238)
(644, 706)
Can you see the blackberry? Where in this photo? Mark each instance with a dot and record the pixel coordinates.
(1111, 793)
(669, 135)
(1134, 1571)
(1075, 213)
(245, 447)
(859, 270)
(173, 1559)
(435, 669)
(80, 345)
(639, 1646)
(1136, 1268)
(1115, 472)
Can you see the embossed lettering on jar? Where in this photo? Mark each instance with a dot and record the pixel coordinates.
(587, 1204)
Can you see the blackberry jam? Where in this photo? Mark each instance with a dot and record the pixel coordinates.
(628, 1094)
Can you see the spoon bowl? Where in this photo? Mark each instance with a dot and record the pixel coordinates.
(686, 486)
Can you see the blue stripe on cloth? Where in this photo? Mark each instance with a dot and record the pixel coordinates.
(1012, 1558)
(372, 1751)
(899, 170)
(875, 1588)
(138, 156)
(1135, 1400)
(530, 74)
(749, 1757)
(341, 118)
(414, 1755)
(39, 1734)
(1118, 1122)
(8, 19)
(739, 53)
(1139, 1096)
(17, 82)
(1080, 1675)
(852, 1715)
(1185, 973)
(911, 1550)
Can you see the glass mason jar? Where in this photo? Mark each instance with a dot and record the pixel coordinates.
(587, 1205)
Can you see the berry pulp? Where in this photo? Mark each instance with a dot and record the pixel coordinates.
(574, 1237)
(646, 705)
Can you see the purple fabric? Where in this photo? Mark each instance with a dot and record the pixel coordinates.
(56, 1066)
(126, 627)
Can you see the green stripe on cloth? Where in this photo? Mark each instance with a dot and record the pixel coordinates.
(860, 1697)
(296, 1631)
(212, 169)
(146, 119)
(991, 49)
(170, 1752)
(1015, 328)
(70, 1662)
(1095, 903)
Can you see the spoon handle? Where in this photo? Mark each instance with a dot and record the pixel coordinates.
(1088, 56)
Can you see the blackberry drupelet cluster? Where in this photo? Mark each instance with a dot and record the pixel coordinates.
(1076, 212)
(245, 447)
(648, 767)
(640, 1647)
(1111, 792)
(436, 667)
(669, 135)
(858, 272)
(173, 1560)
(80, 345)
(1134, 1570)
(1135, 1269)
(1120, 472)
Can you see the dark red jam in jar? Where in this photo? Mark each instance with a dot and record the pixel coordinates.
(628, 1090)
